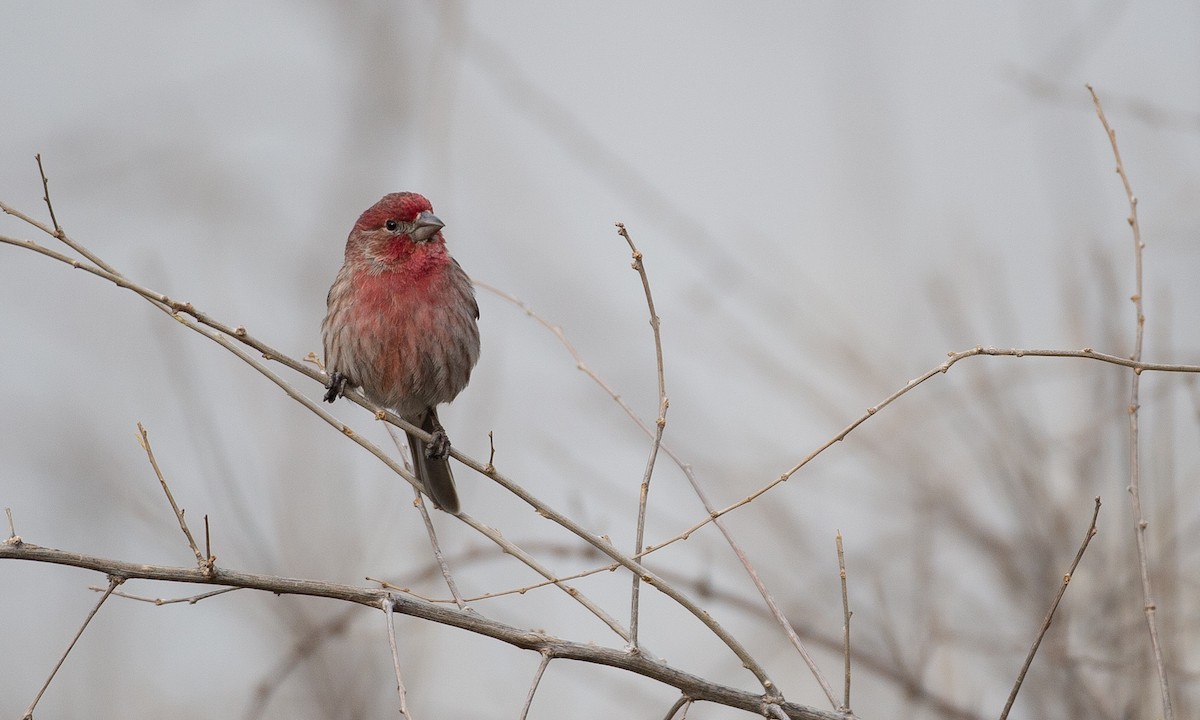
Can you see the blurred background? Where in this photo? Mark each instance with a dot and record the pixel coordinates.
(829, 198)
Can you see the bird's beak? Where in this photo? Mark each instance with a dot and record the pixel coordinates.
(426, 226)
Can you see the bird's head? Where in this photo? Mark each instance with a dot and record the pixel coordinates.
(392, 229)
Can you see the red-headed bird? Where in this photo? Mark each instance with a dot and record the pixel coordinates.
(401, 326)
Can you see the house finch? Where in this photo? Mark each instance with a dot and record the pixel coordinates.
(401, 327)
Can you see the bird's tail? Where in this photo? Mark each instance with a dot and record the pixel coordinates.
(434, 473)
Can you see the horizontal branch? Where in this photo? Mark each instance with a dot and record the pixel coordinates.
(692, 686)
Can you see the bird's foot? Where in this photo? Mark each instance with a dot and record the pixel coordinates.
(439, 445)
(336, 387)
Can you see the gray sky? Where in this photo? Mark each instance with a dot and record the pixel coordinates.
(829, 198)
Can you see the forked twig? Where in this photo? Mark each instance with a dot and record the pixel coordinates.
(1087, 538)
(1139, 519)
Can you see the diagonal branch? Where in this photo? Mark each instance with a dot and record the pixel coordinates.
(113, 582)
(1062, 590)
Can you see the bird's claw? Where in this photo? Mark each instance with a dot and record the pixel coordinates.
(336, 387)
(439, 445)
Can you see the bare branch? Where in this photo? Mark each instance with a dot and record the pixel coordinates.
(113, 582)
(684, 702)
(694, 686)
(1139, 519)
(144, 441)
(46, 195)
(388, 605)
(841, 556)
(1087, 538)
(537, 679)
(190, 600)
(660, 425)
(429, 530)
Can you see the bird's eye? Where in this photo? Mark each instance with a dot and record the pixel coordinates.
(390, 225)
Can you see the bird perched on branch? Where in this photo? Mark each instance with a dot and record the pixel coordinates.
(401, 326)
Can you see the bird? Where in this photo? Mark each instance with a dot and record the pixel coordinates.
(402, 326)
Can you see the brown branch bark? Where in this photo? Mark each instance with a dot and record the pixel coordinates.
(692, 686)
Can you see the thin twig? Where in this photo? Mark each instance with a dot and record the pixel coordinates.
(12, 528)
(841, 555)
(660, 425)
(1139, 519)
(1087, 538)
(144, 441)
(57, 231)
(554, 581)
(683, 702)
(388, 605)
(437, 551)
(537, 679)
(491, 463)
(113, 582)
(46, 195)
(429, 530)
(191, 600)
